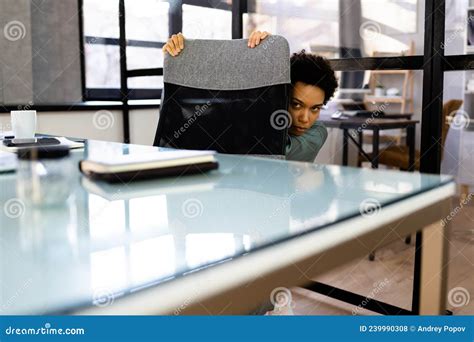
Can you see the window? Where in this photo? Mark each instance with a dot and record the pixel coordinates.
(388, 27)
(148, 25)
(102, 54)
(146, 32)
(220, 27)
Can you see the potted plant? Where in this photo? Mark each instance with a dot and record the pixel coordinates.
(379, 90)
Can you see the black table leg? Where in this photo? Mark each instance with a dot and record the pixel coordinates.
(375, 148)
(361, 143)
(415, 305)
(345, 147)
(411, 147)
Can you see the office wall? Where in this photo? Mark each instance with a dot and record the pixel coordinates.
(16, 66)
(39, 52)
(100, 125)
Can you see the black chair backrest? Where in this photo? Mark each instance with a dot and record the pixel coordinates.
(221, 95)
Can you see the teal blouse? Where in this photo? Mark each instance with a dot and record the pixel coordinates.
(306, 147)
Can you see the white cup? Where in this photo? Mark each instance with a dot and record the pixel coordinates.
(23, 123)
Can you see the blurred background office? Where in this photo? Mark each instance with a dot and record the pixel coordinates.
(63, 58)
(93, 69)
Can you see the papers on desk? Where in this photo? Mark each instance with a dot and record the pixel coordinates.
(8, 162)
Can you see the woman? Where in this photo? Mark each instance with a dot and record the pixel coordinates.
(313, 84)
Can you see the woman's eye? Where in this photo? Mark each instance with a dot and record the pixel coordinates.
(296, 105)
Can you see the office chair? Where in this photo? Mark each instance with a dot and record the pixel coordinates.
(221, 95)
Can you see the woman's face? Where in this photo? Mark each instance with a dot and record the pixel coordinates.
(306, 102)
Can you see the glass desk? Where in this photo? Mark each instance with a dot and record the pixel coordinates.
(210, 243)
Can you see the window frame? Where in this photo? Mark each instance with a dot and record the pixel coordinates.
(175, 25)
(112, 94)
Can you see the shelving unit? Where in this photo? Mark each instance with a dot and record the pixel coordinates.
(406, 98)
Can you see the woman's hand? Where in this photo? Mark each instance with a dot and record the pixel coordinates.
(174, 45)
(256, 37)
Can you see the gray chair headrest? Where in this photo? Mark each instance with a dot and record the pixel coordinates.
(229, 64)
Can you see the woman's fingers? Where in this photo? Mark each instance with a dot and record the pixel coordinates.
(251, 39)
(173, 41)
(168, 49)
(174, 45)
(256, 37)
(181, 40)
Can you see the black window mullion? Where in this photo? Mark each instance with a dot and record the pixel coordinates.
(123, 72)
(459, 62)
(81, 48)
(239, 7)
(175, 17)
(433, 87)
(378, 63)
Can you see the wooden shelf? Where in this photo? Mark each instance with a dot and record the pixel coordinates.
(389, 99)
(390, 72)
(406, 94)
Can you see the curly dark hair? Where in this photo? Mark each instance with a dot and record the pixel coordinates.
(313, 70)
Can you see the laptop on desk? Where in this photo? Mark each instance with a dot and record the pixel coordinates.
(358, 109)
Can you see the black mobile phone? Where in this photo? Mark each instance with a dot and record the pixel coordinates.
(36, 142)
